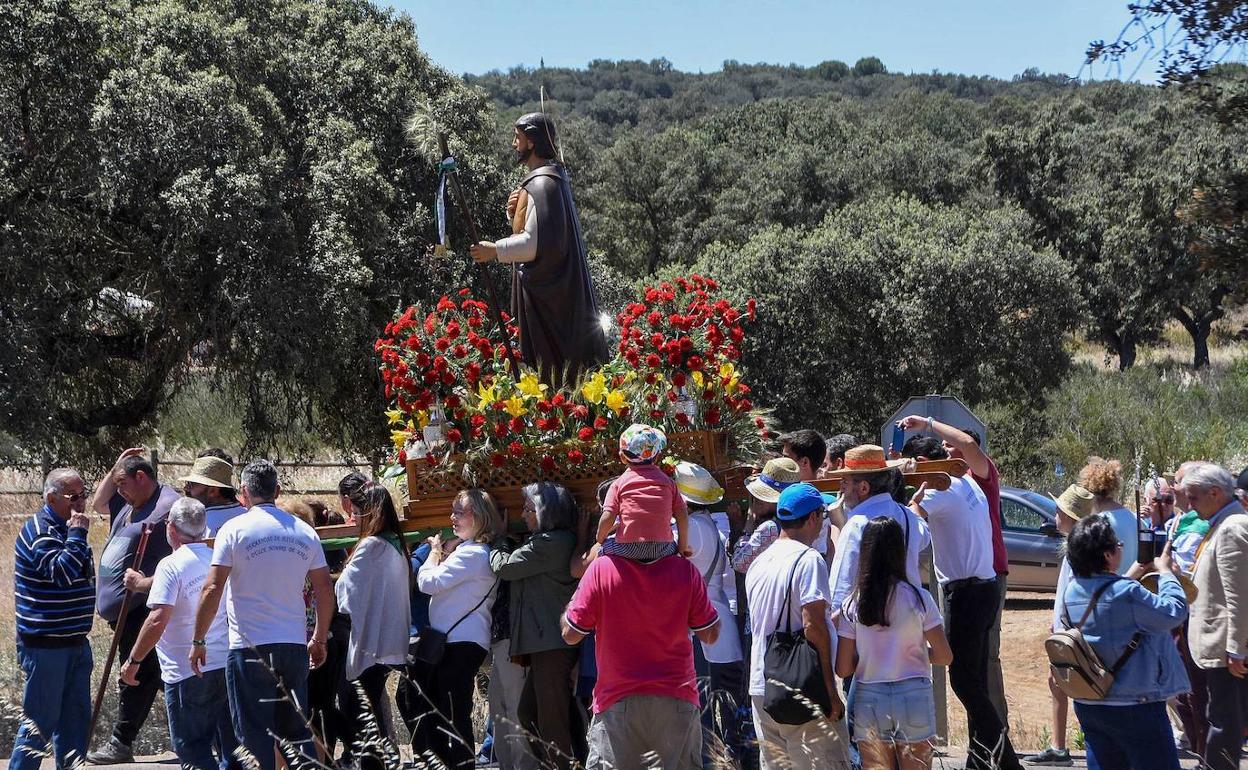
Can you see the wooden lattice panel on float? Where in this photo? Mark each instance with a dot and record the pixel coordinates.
(432, 489)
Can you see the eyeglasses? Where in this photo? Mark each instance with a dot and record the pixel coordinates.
(1167, 499)
(76, 496)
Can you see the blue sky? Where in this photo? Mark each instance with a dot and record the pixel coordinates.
(975, 37)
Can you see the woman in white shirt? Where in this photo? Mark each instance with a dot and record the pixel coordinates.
(886, 627)
(373, 592)
(462, 587)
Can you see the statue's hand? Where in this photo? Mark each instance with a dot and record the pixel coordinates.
(482, 252)
(512, 201)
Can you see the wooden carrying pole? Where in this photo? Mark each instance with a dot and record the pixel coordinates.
(475, 236)
(117, 631)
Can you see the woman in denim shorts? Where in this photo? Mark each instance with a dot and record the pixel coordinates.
(886, 628)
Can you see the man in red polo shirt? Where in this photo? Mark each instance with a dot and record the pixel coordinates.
(965, 445)
(646, 698)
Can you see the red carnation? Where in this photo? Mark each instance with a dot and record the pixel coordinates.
(515, 449)
(585, 434)
(478, 420)
(712, 416)
(517, 425)
(694, 363)
(500, 430)
(422, 360)
(454, 435)
(498, 460)
(452, 329)
(452, 401)
(682, 418)
(576, 456)
(655, 318)
(744, 405)
(548, 464)
(600, 423)
(758, 422)
(460, 350)
(448, 378)
(653, 361)
(652, 378)
(679, 379)
(580, 411)
(657, 414)
(442, 344)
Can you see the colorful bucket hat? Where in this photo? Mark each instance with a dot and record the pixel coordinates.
(642, 443)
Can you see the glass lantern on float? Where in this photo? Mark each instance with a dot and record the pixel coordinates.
(685, 405)
(435, 433)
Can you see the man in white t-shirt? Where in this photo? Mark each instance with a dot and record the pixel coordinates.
(266, 555)
(787, 586)
(962, 555)
(199, 713)
(867, 480)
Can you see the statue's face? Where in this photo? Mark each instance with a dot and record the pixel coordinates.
(521, 144)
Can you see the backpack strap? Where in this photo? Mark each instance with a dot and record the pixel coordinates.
(1091, 605)
(784, 608)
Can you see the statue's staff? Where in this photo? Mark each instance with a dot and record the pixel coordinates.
(121, 623)
(448, 170)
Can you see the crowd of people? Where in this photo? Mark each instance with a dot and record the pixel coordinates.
(796, 631)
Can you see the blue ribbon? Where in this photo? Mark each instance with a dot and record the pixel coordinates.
(445, 167)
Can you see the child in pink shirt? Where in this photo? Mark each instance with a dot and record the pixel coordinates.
(644, 500)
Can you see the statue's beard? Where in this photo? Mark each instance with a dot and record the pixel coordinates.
(522, 156)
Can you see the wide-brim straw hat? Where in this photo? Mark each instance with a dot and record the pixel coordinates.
(865, 458)
(697, 485)
(211, 472)
(1151, 580)
(1076, 502)
(778, 474)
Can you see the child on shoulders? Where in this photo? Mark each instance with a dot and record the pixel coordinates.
(644, 500)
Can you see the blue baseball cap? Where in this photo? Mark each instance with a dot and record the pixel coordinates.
(797, 501)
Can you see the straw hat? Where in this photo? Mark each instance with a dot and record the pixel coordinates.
(1075, 502)
(778, 473)
(866, 458)
(697, 485)
(211, 472)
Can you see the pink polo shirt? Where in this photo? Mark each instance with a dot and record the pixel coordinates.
(645, 499)
(642, 615)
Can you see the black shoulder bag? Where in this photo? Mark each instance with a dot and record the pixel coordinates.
(795, 692)
(431, 645)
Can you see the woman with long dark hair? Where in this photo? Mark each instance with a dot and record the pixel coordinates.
(890, 636)
(373, 592)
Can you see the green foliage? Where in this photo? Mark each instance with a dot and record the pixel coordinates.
(226, 186)
(892, 297)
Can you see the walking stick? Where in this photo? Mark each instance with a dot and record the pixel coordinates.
(475, 235)
(121, 623)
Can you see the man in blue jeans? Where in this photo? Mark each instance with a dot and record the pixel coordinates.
(266, 555)
(199, 711)
(54, 586)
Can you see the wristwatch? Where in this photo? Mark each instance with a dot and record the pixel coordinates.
(199, 643)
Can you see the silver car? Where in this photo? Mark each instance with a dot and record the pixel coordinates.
(1029, 527)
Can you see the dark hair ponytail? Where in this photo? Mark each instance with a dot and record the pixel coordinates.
(881, 566)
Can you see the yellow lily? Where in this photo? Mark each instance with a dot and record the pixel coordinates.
(530, 386)
(399, 437)
(595, 389)
(515, 406)
(395, 415)
(698, 379)
(728, 372)
(486, 396)
(615, 400)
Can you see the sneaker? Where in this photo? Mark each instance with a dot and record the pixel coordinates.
(113, 753)
(1051, 757)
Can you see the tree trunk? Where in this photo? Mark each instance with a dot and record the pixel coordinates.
(1126, 351)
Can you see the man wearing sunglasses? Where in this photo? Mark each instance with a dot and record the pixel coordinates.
(54, 585)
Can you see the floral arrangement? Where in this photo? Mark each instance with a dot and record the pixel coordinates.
(454, 402)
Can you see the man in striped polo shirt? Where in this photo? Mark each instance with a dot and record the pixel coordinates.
(54, 584)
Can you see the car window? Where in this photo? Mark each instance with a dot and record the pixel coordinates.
(1019, 516)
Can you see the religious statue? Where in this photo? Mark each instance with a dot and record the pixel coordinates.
(552, 296)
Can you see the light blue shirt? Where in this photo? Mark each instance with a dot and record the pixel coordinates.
(1127, 528)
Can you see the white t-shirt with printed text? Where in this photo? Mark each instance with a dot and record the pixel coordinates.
(767, 583)
(897, 651)
(176, 583)
(269, 553)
